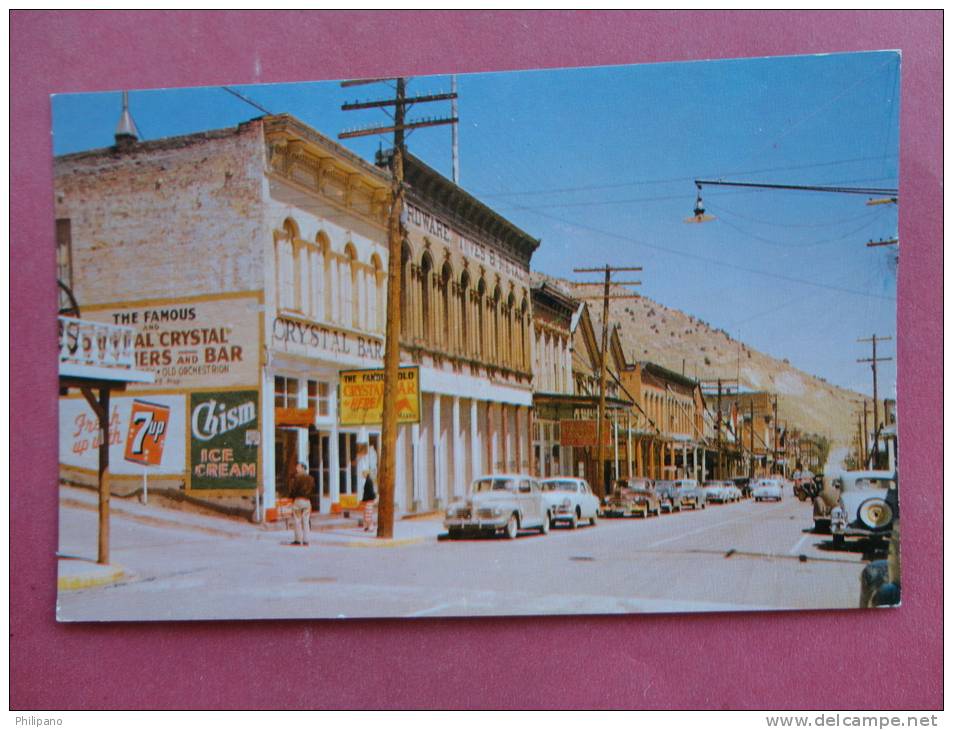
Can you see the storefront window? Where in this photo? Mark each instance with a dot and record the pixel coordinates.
(286, 392)
(319, 397)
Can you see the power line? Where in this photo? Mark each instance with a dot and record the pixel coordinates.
(245, 99)
(705, 259)
(684, 178)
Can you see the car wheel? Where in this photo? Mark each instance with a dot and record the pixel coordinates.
(838, 541)
(574, 520)
(512, 527)
(592, 521)
(544, 528)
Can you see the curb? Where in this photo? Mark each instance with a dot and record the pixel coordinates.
(79, 582)
(402, 542)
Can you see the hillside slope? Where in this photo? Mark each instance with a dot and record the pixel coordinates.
(683, 343)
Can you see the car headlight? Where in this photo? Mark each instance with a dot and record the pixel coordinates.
(875, 513)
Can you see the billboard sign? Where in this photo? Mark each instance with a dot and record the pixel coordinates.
(362, 396)
(145, 437)
(222, 455)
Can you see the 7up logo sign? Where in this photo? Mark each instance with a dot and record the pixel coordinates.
(148, 424)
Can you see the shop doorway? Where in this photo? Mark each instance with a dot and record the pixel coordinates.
(319, 465)
(286, 457)
(347, 463)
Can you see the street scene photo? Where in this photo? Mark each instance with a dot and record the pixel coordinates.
(575, 341)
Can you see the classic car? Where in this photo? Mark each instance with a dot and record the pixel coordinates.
(667, 492)
(632, 497)
(504, 503)
(863, 509)
(687, 492)
(880, 580)
(721, 492)
(767, 489)
(570, 500)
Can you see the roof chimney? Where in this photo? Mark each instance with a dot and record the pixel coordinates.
(126, 133)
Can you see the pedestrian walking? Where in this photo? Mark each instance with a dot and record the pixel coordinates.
(369, 498)
(302, 487)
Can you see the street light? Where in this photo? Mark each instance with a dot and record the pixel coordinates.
(698, 214)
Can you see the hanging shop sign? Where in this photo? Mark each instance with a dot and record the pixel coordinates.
(583, 432)
(362, 396)
(190, 343)
(222, 454)
(300, 417)
(145, 437)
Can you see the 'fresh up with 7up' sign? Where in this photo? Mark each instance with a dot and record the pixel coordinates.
(148, 425)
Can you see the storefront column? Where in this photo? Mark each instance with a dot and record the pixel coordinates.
(439, 481)
(492, 447)
(267, 445)
(458, 455)
(505, 427)
(517, 439)
(628, 443)
(685, 461)
(475, 457)
(335, 471)
(415, 447)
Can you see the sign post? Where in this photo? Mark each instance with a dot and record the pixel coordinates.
(148, 425)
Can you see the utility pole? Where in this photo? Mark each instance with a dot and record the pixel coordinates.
(775, 432)
(395, 237)
(751, 436)
(600, 485)
(866, 435)
(873, 360)
(861, 441)
(718, 465)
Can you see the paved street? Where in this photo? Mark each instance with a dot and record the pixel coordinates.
(733, 557)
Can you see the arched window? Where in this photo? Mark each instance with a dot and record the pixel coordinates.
(351, 291)
(481, 320)
(320, 272)
(287, 282)
(426, 298)
(376, 297)
(465, 347)
(446, 333)
(497, 330)
(523, 326)
(406, 315)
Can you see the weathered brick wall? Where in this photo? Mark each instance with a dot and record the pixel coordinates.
(175, 217)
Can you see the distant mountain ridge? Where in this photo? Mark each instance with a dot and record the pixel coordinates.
(685, 344)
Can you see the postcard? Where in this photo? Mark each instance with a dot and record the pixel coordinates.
(578, 341)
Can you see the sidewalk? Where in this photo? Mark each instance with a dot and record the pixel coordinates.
(333, 530)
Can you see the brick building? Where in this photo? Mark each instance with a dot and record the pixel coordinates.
(251, 263)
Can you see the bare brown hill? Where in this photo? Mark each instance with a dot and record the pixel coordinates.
(683, 343)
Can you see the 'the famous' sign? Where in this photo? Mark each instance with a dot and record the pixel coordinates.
(362, 396)
(222, 456)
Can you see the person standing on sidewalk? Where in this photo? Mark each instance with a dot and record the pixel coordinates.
(302, 487)
(369, 498)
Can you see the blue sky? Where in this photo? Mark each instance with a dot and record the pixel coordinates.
(599, 163)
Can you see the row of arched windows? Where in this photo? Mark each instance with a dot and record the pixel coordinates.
(668, 413)
(456, 316)
(317, 282)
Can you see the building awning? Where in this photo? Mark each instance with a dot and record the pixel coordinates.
(578, 401)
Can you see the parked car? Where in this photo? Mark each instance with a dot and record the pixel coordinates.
(570, 500)
(667, 493)
(633, 497)
(721, 491)
(880, 580)
(504, 503)
(862, 509)
(768, 489)
(687, 492)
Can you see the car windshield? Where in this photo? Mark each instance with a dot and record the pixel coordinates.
(494, 485)
(561, 485)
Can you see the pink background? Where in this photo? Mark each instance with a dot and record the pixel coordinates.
(889, 659)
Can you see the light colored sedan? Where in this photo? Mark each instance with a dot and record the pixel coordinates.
(570, 500)
(767, 489)
(504, 503)
(716, 491)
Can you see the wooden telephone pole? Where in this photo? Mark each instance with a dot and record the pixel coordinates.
(873, 360)
(395, 237)
(600, 477)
